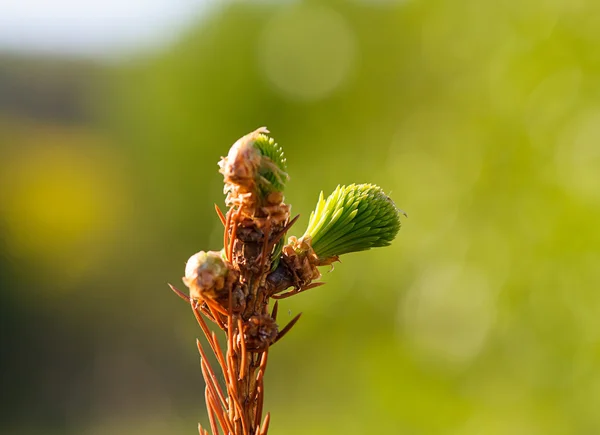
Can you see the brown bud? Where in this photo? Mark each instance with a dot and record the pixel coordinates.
(205, 275)
(260, 332)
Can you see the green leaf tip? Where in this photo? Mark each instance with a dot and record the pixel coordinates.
(353, 218)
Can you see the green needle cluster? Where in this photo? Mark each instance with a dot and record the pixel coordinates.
(353, 218)
(273, 168)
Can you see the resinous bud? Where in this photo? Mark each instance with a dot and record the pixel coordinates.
(206, 274)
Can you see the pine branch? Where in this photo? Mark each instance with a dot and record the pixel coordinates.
(233, 287)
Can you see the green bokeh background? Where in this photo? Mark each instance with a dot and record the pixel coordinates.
(480, 119)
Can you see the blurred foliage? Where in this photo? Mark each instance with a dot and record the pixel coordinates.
(481, 120)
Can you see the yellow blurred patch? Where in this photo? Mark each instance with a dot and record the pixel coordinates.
(61, 199)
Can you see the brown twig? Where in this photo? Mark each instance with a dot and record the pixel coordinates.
(265, 425)
(295, 292)
(260, 387)
(244, 353)
(211, 378)
(237, 301)
(287, 328)
(220, 214)
(211, 414)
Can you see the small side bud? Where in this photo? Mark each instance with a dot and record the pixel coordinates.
(296, 267)
(260, 331)
(206, 275)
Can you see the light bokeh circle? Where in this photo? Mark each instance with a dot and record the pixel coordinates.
(306, 52)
